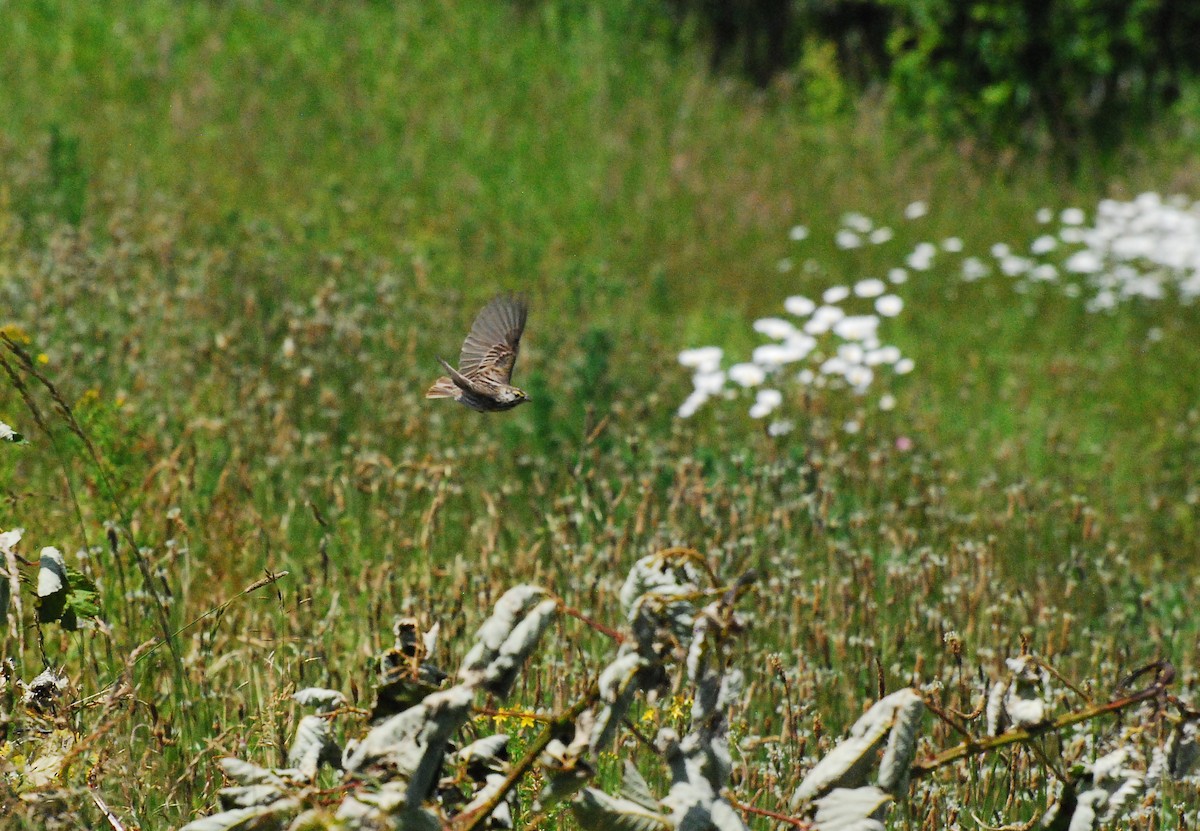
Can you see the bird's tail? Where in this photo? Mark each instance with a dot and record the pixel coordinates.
(443, 388)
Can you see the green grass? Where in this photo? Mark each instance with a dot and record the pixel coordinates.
(359, 179)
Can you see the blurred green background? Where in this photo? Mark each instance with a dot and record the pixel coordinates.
(235, 236)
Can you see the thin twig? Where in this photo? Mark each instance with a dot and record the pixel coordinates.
(946, 718)
(1063, 680)
(112, 818)
(974, 747)
(763, 812)
(592, 622)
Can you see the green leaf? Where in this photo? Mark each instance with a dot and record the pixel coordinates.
(83, 598)
(64, 594)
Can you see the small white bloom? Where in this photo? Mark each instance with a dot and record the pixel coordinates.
(904, 366)
(851, 353)
(859, 377)
(765, 402)
(871, 287)
(882, 355)
(834, 366)
(784, 265)
(781, 427)
(851, 427)
(709, 383)
(922, 256)
(829, 314)
(887, 402)
(769, 397)
(747, 374)
(1073, 216)
(857, 222)
(774, 327)
(881, 235)
(1044, 273)
(798, 233)
(702, 358)
(1044, 215)
(916, 210)
(778, 354)
(1102, 302)
(817, 326)
(801, 343)
(1084, 262)
(7, 433)
(693, 402)
(974, 269)
(799, 305)
(1001, 250)
(847, 239)
(889, 305)
(806, 376)
(898, 276)
(952, 244)
(835, 294)
(1015, 266)
(1043, 244)
(856, 327)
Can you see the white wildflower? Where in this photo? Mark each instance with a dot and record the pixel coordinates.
(799, 305)
(747, 374)
(847, 239)
(870, 287)
(889, 305)
(705, 358)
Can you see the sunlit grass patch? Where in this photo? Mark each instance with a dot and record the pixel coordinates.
(258, 226)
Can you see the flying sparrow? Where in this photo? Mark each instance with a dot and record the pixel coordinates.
(485, 364)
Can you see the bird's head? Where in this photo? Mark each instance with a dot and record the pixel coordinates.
(512, 395)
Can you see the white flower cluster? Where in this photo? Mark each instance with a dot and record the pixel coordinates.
(828, 345)
(822, 343)
(1143, 248)
(1140, 248)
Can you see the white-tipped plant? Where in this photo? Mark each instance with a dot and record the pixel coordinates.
(890, 726)
(408, 770)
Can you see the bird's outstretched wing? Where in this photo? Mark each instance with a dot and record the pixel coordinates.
(491, 347)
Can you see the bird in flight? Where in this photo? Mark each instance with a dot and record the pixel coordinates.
(485, 364)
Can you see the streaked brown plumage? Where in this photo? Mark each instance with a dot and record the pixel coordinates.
(485, 364)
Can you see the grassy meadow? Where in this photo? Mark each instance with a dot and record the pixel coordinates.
(234, 239)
